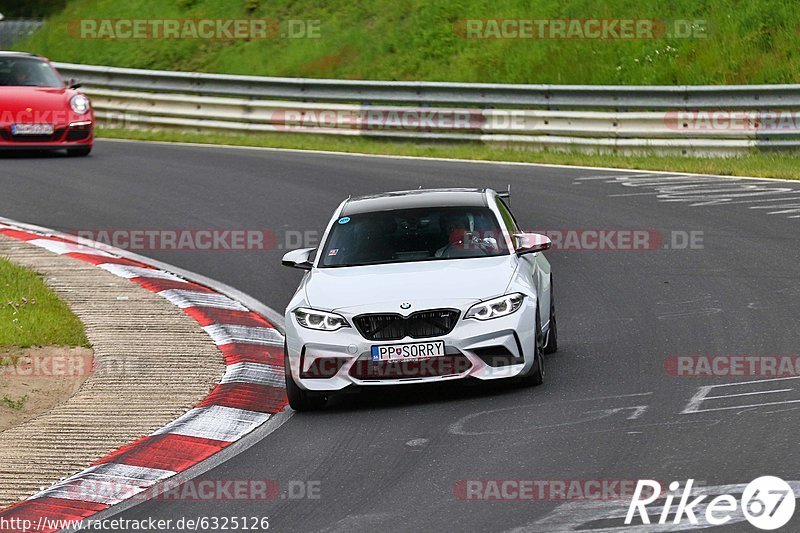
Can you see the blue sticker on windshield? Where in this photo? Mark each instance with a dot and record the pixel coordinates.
(344, 220)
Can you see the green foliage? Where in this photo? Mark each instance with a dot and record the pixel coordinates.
(745, 42)
(30, 8)
(31, 314)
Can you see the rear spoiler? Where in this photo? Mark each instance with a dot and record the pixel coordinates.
(506, 194)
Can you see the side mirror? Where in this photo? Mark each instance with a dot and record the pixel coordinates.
(302, 258)
(529, 243)
(74, 84)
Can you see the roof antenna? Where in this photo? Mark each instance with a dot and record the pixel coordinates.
(506, 194)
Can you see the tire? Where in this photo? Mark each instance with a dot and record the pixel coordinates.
(536, 374)
(299, 399)
(79, 152)
(552, 334)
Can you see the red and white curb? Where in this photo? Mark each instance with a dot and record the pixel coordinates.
(250, 392)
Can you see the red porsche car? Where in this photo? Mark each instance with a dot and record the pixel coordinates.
(38, 110)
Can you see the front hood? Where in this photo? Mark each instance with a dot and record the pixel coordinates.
(422, 284)
(15, 102)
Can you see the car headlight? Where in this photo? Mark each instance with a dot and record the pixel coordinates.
(80, 104)
(496, 307)
(320, 320)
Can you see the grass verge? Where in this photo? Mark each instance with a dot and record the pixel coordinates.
(730, 41)
(765, 165)
(32, 315)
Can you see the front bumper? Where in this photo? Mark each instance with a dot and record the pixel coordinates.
(486, 350)
(77, 134)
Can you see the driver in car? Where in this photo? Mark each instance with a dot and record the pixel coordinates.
(463, 237)
(21, 74)
(456, 227)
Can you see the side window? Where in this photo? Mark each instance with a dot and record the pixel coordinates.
(508, 218)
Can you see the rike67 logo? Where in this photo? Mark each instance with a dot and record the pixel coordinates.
(767, 503)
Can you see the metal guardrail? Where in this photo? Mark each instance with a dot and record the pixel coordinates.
(682, 119)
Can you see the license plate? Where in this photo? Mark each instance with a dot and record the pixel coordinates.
(31, 129)
(407, 352)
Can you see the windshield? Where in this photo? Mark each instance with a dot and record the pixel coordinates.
(27, 72)
(422, 234)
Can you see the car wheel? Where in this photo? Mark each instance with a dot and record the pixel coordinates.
(535, 375)
(552, 334)
(79, 152)
(299, 399)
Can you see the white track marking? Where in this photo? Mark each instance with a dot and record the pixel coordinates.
(189, 298)
(689, 313)
(755, 381)
(685, 422)
(747, 394)
(638, 410)
(702, 395)
(612, 177)
(216, 422)
(759, 200)
(672, 182)
(630, 194)
(696, 400)
(581, 515)
(248, 372)
(228, 334)
(108, 483)
(742, 406)
(703, 191)
(458, 427)
(126, 271)
(62, 248)
(782, 209)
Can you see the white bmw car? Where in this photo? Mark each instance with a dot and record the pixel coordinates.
(418, 286)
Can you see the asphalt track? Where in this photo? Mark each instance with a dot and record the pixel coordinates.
(389, 461)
